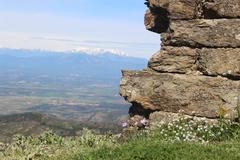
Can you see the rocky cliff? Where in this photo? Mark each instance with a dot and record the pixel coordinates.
(197, 70)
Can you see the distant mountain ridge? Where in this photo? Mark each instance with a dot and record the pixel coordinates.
(73, 85)
(101, 66)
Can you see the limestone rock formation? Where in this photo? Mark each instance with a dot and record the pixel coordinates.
(193, 9)
(210, 61)
(204, 33)
(197, 70)
(194, 95)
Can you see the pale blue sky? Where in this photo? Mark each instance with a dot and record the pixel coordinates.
(76, 24)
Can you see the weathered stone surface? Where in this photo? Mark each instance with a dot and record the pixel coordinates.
(209, 61)
(193, 95)
(192, 9)
(222, 8)
(221, 61)
(177, 9)
(204, 33)
(161, 12)
(174, 60)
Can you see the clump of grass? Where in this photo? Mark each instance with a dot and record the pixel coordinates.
(153, 148)
(51, 146)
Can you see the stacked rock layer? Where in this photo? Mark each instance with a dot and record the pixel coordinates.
(197, 70)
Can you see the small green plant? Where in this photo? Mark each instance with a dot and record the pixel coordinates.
(90, 139)
(222, 112)
(51, 146)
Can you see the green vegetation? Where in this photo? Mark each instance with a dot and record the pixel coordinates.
(181, 138)
(156, 149)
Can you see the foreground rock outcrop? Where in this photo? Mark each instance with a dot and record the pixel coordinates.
(209, 61)
(197, 70)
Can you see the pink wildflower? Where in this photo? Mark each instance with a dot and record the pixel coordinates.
(124, 124)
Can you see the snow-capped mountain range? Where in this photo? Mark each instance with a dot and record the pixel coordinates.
(90, 65)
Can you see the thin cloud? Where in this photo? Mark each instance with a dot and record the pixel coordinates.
(44, 25)
(96, 42)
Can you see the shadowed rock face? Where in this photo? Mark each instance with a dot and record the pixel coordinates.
(197, 70)
(161, 11)
(151, 21)
(178, 9)
(222, 8)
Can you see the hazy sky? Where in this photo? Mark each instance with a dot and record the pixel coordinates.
(76, 24)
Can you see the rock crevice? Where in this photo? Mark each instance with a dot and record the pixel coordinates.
(197, 70)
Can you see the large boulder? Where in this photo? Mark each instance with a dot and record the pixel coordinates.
(192, 95)
(210, 61)
(222, 8)
(192, 9)
(203, 33)
(177, 9)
